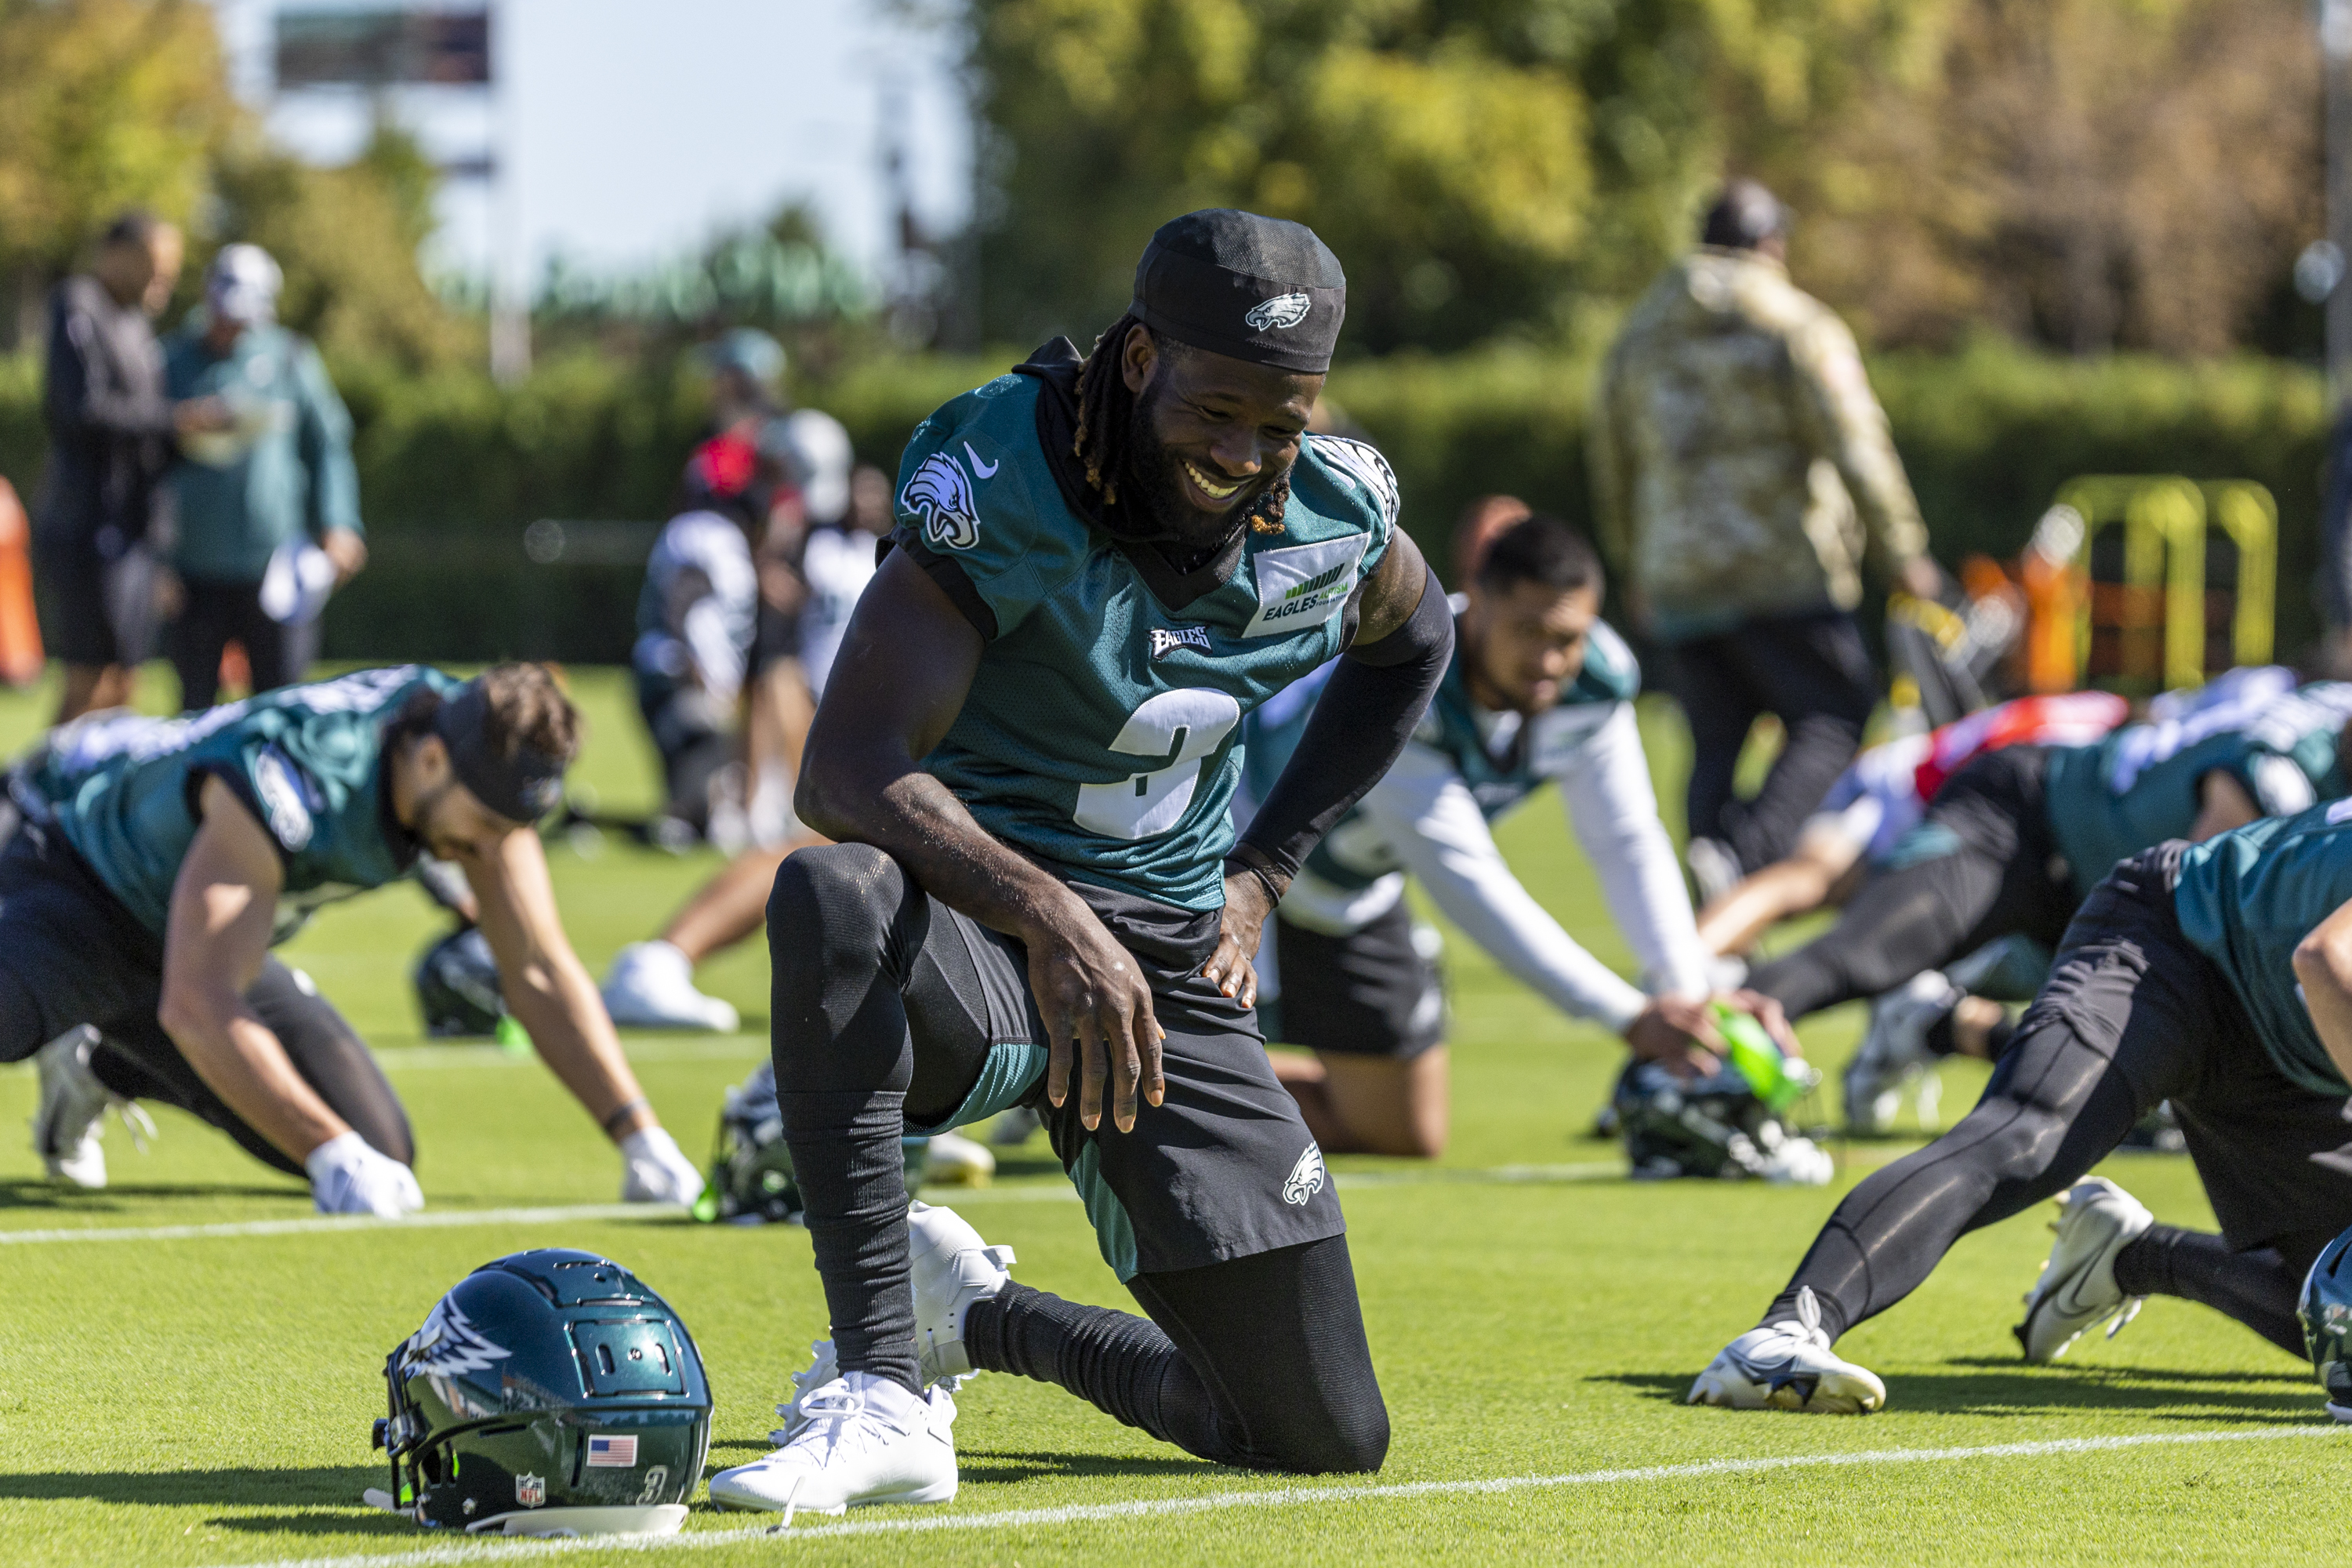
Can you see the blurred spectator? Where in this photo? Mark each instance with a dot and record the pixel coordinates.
(269, 505)
(695, 627)
(102, 513)
(745, 366)
(1742, 474)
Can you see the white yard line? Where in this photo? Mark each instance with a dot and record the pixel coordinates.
(1286, 1497)
(1054, 1192)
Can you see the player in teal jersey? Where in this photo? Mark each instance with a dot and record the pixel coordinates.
(1540, 691)
(2016, 837)
(2217, 976)
(1026, 754)
(150, 865)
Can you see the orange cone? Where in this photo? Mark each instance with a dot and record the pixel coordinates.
(20, 629)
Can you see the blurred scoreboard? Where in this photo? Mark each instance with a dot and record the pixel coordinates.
(382, 48)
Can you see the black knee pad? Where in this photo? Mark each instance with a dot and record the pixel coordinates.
(829, 893)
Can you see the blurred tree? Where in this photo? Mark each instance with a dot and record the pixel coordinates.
(1480, 166)
(2088, 173)
(104, 104)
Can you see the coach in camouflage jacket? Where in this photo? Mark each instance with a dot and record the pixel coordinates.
(1743, 475)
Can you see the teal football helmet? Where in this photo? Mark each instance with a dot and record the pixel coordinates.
(751, 1171)
(548, 1393)
(2325, 1311)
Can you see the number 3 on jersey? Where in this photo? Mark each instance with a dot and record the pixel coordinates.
(1177, 731)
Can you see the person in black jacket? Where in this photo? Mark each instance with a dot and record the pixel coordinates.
(102, 511)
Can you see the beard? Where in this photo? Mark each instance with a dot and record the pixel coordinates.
(1158, 488)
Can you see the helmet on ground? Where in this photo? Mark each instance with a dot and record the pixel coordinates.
(2325, 1310)
(547, 1392)
(1714, 1126)
(751, 1170)
(458, 985)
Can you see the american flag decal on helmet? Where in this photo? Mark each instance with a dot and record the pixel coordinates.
(613, 1453)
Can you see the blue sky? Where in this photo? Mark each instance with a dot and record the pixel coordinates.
(635, 127)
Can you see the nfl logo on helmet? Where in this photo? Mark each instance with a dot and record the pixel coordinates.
(530, 1491)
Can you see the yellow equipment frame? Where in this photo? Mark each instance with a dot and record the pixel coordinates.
(2166, 519)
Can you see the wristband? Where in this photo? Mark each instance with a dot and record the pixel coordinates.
(622, 1112)
(1273, 894)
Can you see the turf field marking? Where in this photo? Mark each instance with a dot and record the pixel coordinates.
(1290, 1496)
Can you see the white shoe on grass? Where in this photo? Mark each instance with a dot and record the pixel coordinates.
(862, 1439)
(1894, 1054)
(651, 986)
(952, 1267)
(2077, 1291)
(67, 1123)
(956, 1160)
(1789, 1365)
(824, 1367)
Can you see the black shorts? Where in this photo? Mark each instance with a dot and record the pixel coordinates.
(1224, 1168)
(72, 954)
(2276, 1159)
(100, 607)
(1368, 993)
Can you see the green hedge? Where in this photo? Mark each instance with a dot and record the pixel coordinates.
(452, 469)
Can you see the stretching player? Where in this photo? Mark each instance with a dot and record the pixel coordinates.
(152, 863)
(1881, 798)
(1540, 690)
(2013, 838)
(2218, 976)
(1026, 752)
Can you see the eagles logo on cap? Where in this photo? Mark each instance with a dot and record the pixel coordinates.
(1283, 310)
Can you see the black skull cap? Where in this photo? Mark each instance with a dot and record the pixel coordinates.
(1257, 289)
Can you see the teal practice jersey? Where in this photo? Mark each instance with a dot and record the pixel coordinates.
(2138, 787)
(2246, 898)
(1502, 758)
(307, 761)
(1102, 732)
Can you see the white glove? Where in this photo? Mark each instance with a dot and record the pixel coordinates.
(348, 1177)
(653, 1170)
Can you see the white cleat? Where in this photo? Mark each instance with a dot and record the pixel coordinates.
(955, 1160)
(862, 1440)
(651, 986)
(2077, 1291)
(823, 1368)
(68, 1124)
(1788, 1366)
(950, 1268)
(1895, 1053)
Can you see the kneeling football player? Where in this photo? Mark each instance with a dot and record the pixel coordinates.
(1026, 754)
(2216, 975)
(1539, 690)
(153, 863)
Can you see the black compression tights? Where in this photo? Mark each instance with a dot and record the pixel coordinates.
(1900, 922)
(2054, 1108)
(2258, 1288)
(1259, 1363)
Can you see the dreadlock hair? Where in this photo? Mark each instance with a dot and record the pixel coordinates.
(1107, 412)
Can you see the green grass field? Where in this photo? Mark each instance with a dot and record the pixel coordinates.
(204, 1397)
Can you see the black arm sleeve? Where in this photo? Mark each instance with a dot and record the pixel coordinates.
(1361, 722)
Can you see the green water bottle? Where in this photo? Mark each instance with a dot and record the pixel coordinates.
(1778, 1080)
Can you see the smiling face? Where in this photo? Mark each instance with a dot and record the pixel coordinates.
(1526, 642)
(1210, 433)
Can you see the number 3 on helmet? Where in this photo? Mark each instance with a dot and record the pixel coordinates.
(548, 1393)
